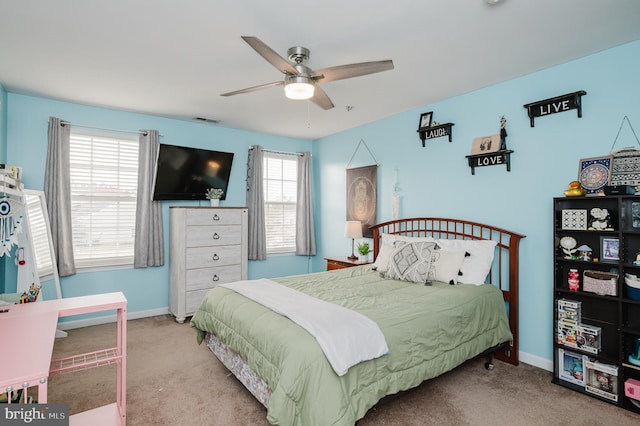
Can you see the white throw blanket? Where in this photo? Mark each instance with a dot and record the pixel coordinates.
(346, 337)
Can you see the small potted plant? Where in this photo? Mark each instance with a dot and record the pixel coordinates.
(364, 249)
(214, 195)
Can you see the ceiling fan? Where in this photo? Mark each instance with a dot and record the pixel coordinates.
(300, 81)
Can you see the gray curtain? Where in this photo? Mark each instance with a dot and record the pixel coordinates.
(305, 229)
(149, 240)
(255, 204)
(57, 190)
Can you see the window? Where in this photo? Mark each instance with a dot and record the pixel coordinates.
(280, 195)
(104, 179)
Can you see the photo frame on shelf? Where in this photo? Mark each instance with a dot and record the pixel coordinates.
(609, 249)
(485, 144)
(425, 120)
(594, 174)
(635, 215)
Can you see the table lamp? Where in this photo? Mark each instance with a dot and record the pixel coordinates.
(353, 230)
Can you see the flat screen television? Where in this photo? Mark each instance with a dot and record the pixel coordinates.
(184, 173)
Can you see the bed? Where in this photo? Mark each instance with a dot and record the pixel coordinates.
(429, 325)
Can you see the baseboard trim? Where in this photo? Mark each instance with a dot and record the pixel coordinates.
(106, 319)
(525, 357)
(536, 361)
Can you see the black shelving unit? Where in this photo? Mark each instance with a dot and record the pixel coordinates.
(615, 244)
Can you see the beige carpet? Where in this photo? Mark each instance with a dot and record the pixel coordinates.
(173, 381)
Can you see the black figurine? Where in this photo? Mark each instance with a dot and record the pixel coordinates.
(503, 133)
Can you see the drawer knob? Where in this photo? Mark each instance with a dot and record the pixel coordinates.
(216, 236)
(216, 217)
(215, 278)
(216, 257)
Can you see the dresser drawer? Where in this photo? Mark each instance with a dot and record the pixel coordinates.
(193, 300)
(207, 257)
(213, 217)
(203, 278)
(203, 236)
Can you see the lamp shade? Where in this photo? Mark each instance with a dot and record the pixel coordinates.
(353, 229)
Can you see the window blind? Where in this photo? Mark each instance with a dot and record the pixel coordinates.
(104, 179)
(280, 195)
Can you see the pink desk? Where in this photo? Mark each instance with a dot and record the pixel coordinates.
(27, 333)
(27, 344)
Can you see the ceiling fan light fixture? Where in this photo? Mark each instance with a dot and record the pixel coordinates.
(298, 87)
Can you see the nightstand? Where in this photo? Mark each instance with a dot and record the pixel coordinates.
(343, 262)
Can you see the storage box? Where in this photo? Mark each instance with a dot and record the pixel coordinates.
(601, 379)
(574, 219)
(589, 338)
(571, 367)
(632, 286)
(603, 283)
(632, 389)
(568, 334)
(619, 190)
(569, 310)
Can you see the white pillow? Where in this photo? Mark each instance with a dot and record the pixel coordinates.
(476, 266)
(410, 261)
(387, 247)
(446, 265)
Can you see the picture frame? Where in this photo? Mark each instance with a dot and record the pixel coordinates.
(425, 120)
(594, 174)
(609, 249)
(485, 144)
(635, 215)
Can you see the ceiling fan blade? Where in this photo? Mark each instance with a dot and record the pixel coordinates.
(270, 55)
(254, 88)
(352, 70)
(321, 99)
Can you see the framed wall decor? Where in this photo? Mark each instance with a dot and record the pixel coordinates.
(609, 249)
(425, 120)
(594, 174)
(362, 196)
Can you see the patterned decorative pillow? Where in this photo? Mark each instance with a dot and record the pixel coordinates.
(476, 266)
(387, 247)
(410, 261)
(446, 265)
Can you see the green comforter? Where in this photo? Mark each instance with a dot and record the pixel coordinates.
(429, 330)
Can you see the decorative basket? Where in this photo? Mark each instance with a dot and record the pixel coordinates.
(599, 282)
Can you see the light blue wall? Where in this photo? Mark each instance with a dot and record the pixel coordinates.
(145, 289)
(436, 180)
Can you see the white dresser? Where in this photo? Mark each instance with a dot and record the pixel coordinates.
(208, 247)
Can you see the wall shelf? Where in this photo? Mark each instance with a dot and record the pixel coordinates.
(435, 132)
(490, 159)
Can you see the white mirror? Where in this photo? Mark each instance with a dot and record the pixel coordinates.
(40, 265)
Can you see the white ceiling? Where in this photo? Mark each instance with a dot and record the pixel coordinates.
(174, 58)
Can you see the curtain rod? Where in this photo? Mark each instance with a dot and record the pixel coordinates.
(279, 152)
(64, 123)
